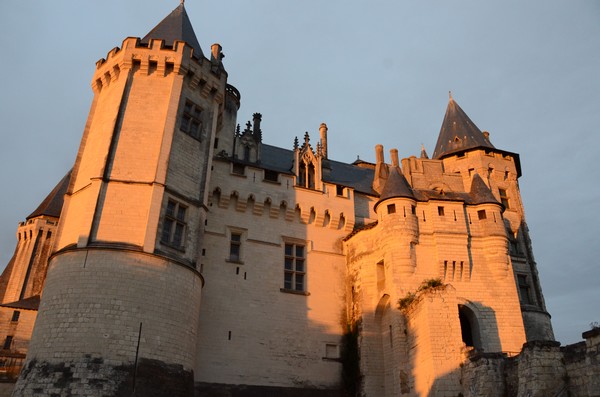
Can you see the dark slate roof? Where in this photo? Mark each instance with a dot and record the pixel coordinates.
(395, 186)
(480, 193)
(52, 204)
(31, 303)
(458, 133)
(349, 175)
(175, 27)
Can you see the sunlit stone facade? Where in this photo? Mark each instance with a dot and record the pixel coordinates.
(191, 257)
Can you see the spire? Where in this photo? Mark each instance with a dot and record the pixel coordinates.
(480, 193)
(423, 152)
(458, 133)
(176, 26)
(395, 186)
(52, 204)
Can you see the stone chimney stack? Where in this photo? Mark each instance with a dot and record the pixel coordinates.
(216, 54)
(381, 169)
(394, 156)
(323, 131)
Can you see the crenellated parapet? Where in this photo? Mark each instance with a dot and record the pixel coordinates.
(160, 60)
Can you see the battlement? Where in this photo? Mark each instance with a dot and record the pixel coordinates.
(161, 60)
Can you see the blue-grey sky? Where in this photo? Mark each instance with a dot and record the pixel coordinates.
(375, 72)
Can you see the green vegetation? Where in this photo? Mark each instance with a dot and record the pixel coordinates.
(432, 283)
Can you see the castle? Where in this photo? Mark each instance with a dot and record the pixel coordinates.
(183, 256)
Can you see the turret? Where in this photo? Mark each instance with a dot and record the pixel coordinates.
(132, 223)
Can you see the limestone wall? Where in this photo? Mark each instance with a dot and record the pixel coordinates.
(88, 327)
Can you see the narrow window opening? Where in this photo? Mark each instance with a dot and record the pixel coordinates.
(413, 209)
(453, 269)
(391, 337)
(455, 215)
(229, 336)
(424, 220)
(404, 210)
(7, 342)
(216, 145)
(203, 251)
(235, 247)
(237, 270)
(445, 269)
(244, 275)
(15, 316)
(504, 198)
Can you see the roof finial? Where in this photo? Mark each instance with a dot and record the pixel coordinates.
(181, 2)
(449, 92)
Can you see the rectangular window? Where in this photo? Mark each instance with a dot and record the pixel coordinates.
(15, 316)
(524, 289)
(504, 198)
(332, 351)
(339, 190)
(191, 122)
(294, 267)
(173, 231)
(440, 211)
(271, 176)
(7, 342)
(481, 215)
(235, 247)
(238, 169)
(391, 208)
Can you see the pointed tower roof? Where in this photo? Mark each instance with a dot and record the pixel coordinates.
(480, 193)
(395, 186)
(458, 133)
(176, 26)
(52, 204)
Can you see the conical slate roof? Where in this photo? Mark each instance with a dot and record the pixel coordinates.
(395, 186)
(52, 204)
(458, 133)
(175, 27)
(480, 193)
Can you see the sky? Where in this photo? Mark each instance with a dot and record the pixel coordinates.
(377, 72)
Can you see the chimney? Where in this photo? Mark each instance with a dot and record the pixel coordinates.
(394, 156)
(379, 154)
(216, 54)
(323, 131)
(381, 169)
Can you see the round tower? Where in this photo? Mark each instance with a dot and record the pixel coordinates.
(396, 213)
(120, 308)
